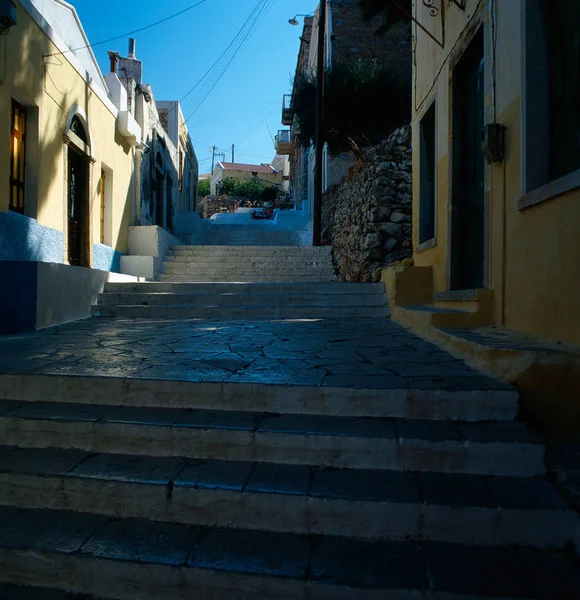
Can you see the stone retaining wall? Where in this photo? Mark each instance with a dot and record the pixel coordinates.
(367, 216)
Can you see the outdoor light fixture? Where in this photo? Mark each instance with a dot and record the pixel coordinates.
(295, 22)
(7, 16)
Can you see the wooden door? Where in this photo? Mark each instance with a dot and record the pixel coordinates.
(77, 208)
(468, 214)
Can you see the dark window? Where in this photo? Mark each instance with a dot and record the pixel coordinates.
(563, 49)
(17, 157)
(552, 89)
(427, 167)
(77, 127)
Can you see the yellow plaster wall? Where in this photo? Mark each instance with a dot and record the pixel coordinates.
(53, 85)
(534, 269)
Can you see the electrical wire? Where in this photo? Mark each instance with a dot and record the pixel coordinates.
(210, 73)
(118, 37)
(218, 69)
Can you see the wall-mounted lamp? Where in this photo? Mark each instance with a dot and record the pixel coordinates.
(293, 21)
(7, 16)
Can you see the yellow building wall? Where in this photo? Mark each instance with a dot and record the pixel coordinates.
(53, 86)
(533, 254)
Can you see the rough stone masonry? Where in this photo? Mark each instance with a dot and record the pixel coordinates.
(367, 216)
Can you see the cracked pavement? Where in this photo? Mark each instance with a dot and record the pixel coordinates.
(329, 352)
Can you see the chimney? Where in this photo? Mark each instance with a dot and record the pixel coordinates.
(113, 57)
(132, 45)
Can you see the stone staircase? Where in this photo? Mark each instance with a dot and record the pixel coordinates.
(133, 489)
(249, 234)
(248, 263)
(244, 282)
(253, 301)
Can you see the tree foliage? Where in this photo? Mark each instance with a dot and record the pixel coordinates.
(364, 102)
(249, 188)
(204, 188)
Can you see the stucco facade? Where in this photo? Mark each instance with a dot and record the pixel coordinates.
(68, 117)
(530, 242)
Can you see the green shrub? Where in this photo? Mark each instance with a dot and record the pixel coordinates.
(204, 188)
(249, 188)
(364, 101)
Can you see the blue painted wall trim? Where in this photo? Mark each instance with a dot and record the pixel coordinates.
(23, 239)
(18, 296)
(106, 259)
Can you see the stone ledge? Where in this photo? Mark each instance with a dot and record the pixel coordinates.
(550, 190)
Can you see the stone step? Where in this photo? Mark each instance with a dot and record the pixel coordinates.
(280, 259)
(340, 396)
(305, 499)
(491, 448)
(242, 299)
(261, 249)
(324, 288)
(254, 311)
(253, 264)
(248, 269)
(248, 278)
(252, 240)
(95, 554)
(9, 591)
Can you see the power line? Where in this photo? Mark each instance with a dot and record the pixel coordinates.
(215, 73)
(118, 37)
(209, 72)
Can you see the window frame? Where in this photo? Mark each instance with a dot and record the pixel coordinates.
(429, 114)
(17, 183)
(534, 138)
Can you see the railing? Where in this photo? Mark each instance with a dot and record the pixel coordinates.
(287, 110)
(283, 136)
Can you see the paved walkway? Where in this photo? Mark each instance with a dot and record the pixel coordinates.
(347, 353)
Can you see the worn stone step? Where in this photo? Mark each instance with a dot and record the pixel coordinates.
(249, 278)
(333, 287)
(248, 265)
(211, 249)
(227, 270)
(459, 400)
(9, 591)
(470, 509)
(242, 299)
(241, 262)
(253, 311)
(88, 553)
(363, 443)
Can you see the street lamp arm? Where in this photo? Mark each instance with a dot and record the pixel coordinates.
(294, 21)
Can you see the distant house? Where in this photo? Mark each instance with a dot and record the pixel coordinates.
(166, 166)
(241, 172)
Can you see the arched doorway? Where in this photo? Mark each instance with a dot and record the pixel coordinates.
(78, 165)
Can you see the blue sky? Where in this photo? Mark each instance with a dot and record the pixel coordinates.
(176, 54)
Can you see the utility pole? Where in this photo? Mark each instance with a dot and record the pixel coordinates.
(319, 135)
(212, 158)
(233, 154)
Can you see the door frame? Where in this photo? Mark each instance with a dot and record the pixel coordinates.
(480, 22)
(73, 143)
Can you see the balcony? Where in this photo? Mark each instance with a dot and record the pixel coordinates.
(287, 110)
(284, 142)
